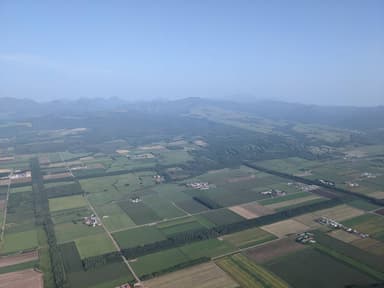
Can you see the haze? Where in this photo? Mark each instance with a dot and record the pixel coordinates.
(322, 52)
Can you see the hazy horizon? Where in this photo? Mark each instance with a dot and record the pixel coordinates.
(318, 52)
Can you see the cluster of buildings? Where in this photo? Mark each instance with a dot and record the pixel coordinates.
(92, 221)
(198, 185)
(303, 187)
(326, 182)
(305, 238)
(336, 225)
(158, 179)
(368, 175)
(274, 193)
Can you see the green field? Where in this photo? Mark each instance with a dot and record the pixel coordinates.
(94, 245)
(70, 231)
(158, 261)
(208, 248)
(138, 236)
(249, 237)
(221, 216)
(299, 270)
(114, 218)
(15, 242)
(70, 202)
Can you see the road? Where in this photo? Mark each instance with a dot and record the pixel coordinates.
(137, 279)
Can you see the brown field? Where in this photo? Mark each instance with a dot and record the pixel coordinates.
(308, 219)
(4, 170)
(44, 160)
(340, 212)
(274, 249)
(7, 158)
(371, 245)
(344, 236)
(285, 227)
(21, 279)
(378, 194)
(241, 179)
(21, 180)
(292, 202)
(206, 275)
(19, 258)
(380, 211)
(57, 176)
(251, 210)
(2, 204)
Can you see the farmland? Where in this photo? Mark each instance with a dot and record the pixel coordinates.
(178, 203)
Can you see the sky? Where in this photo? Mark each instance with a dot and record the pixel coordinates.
(328, 52)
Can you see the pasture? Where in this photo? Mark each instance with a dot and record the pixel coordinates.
(19, 241)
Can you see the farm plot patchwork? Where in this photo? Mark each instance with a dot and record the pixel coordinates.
(274, 249)
(299, 270)
(251, 210)
(248, 274)
(206, 275)
(249, 237)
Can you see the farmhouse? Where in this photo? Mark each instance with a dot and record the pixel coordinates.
(199, 185)
(274, 193)
(92, 221)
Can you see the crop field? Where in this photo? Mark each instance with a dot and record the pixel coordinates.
(209, 248)
(93, 245)
(19, 241)
(274, 249)
(69, 202)
(151, 263)
(221, 216)
(181, 225)
(69, 231)
(208, 275)
(293, 202)
(285, 227)
(337, 213)
(248, 274)
(191, 206)
(370, 245)
(140, 213)
(113, 217)
(298, 270)
(24, 278)
(251, 210)
(249, 237)
(138, 236)
(19, 258)
(369, 223)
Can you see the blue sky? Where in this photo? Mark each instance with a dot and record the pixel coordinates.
(318, 51)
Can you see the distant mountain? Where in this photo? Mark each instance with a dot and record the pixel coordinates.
(341, 116)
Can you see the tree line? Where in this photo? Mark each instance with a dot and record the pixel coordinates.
(43, 218)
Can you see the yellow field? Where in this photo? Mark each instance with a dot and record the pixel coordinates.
(248, 274)
(206, 275)
(285, 227)
(340, 212)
